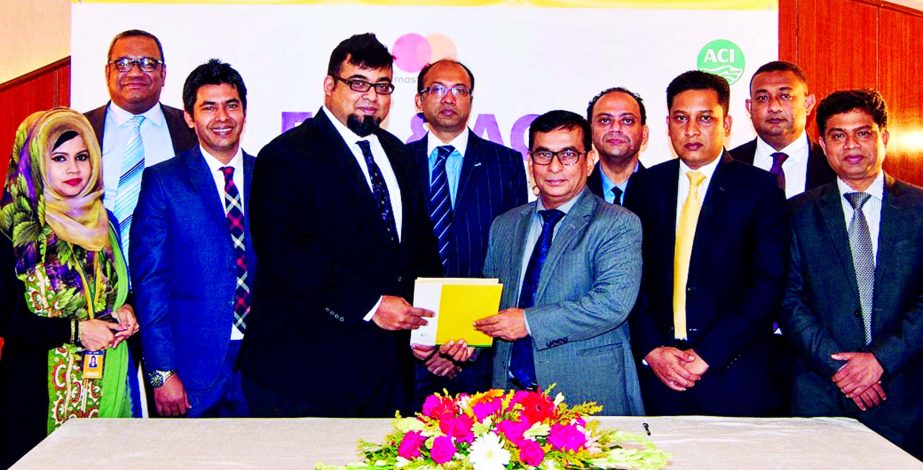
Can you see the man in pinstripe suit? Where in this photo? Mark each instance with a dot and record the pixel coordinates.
(468, 181)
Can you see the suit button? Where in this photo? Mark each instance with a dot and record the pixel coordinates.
(230, 303)
(400, 279)
(858, 312)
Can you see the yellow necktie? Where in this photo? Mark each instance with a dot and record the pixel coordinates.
(685, 234)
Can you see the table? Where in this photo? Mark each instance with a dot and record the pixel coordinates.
(696, 442)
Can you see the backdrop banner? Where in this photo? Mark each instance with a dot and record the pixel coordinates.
(528, 57)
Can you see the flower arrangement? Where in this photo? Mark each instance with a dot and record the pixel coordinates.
(498, 430)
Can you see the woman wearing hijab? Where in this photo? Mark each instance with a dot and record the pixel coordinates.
(63, 286)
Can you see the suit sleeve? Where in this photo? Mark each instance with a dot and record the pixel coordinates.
(763, 291)
(150, 272)
(616, 279)
(799, 323)
(518, 190)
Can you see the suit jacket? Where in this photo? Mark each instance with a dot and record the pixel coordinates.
(595, 180)
(492, 181)
(184, 272)
(325, 260)
(822, 314)
(181, 134)
(586, 290)
(733, 293)
(819, 171)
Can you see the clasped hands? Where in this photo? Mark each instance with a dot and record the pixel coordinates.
(99, 334)
(860, 378)
(676, 368)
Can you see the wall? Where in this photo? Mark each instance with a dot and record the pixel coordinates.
(33, 34)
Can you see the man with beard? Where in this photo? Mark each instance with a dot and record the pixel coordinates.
(341, 229)
(619, 123)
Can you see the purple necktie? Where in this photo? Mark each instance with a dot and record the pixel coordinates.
(778, 159)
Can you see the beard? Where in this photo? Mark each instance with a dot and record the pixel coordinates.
(364, 125)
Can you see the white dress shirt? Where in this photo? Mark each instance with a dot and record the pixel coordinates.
(795, 166)
(214, 167)
(871, 209)
(155, 137)
(683, 188)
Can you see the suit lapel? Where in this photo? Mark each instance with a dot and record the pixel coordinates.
(578, 218)
(204, 184)
(470, 165)
(417, 151)
(714, 208)
(831, 210)
(889, 232)
(516, 252)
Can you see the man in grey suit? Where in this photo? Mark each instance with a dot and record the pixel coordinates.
(854, 303)
(567, 292)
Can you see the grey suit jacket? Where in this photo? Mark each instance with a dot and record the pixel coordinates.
(588, 286)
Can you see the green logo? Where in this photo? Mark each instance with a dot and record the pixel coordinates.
(722, 57)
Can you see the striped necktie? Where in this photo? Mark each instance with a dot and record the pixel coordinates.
(234, 205)
(440, 205)
(126, 197)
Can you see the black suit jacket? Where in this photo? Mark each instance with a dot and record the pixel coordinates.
(822, 314)
(181, 134)
(733, 294)
(325, 260)
(595, 180)
(492, 181)
(819, 171)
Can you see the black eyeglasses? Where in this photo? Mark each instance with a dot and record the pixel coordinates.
(362, 86)
(567, 157)
(146, 64)
(439, 90)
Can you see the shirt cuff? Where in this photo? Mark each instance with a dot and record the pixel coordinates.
(368, 316)
(525, 318)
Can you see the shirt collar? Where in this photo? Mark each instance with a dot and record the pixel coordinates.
(346, 133)
(707, 170)
(796, 150)
(460, 142)
(153, 115)
(215, 165)
(565, 208)
(609, 184)
(876, 189)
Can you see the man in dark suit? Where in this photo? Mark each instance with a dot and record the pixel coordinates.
(619, 122)
(468, 181)
(341, 230)
(135, 131)
(854, 303)
(194, 263)
(779, 107)
(715, 254)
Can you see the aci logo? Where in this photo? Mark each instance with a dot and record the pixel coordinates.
(412, 51)
(722, 57)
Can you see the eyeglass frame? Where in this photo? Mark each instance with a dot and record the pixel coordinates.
(455, 90)
(558, 156)
(349, 82)
(133, 62)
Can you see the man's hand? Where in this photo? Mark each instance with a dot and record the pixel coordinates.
(447, 361)
(128, 324)
(97, 334)
(870, 397)
(394, 313)
(171, 397)
(860, 372)
(698, 366)
(509, 324)
(669, 365)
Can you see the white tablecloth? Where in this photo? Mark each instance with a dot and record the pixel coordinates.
(695, 442)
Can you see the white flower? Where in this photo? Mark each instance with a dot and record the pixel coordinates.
(558, 399)
(487, 453)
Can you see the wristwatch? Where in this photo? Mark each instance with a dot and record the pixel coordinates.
(158, 377)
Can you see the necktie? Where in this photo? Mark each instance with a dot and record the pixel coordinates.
(126, 196)
(860, 244)
(618, 196)
(778, 159)
(380, 192)
(233, 205)
(440, 205)
(685, 234)
(522, 365)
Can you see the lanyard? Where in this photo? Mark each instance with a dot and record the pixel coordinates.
(91, 292)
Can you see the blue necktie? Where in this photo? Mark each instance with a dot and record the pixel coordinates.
(380, 192)
(522, 365)
(126, 196)
(440, 205)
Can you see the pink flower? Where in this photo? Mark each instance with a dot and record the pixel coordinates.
(513, 430)
(443, 449)
(484, 409)
(566, 437)
(531, 453)
(438, 407)
(458, 427)
(410, 445)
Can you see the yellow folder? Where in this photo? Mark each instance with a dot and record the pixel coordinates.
(457, 303)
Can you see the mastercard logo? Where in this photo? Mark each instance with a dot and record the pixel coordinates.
(413, 51)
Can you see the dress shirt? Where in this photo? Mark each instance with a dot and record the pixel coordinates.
(155, 137)
(214, 167)
(609, 184)
(683, 188)
(453, 163)
(795, 166)
(871, 209)
(535, 230)
(381, 159)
